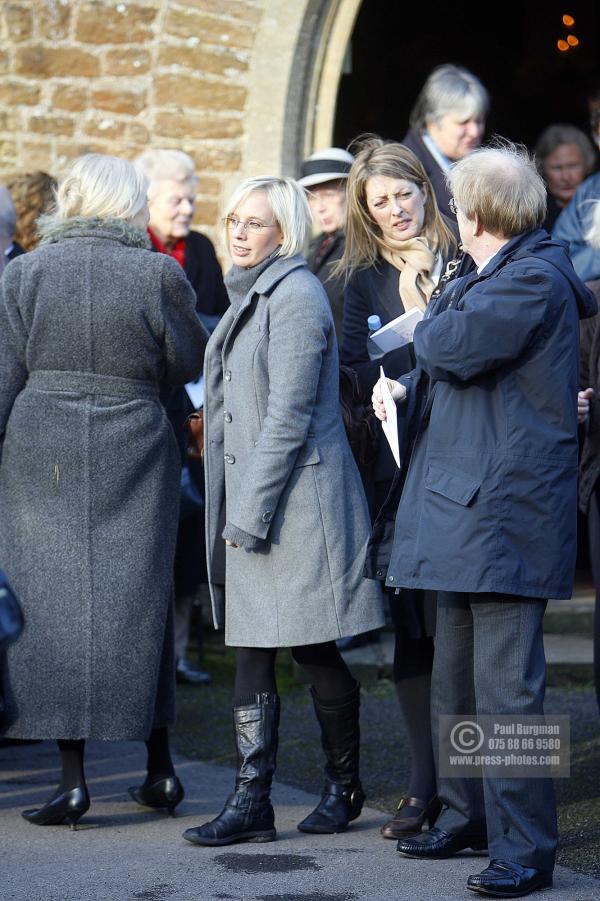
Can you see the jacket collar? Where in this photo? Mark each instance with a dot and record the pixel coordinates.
(264, 284)
(278, 270)
(52, 229)
(538, 244)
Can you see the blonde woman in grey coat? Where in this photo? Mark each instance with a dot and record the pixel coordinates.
(91, 324)
(286, 518)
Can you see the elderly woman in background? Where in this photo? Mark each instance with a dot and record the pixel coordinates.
(287, 520)
(565, 157)
(91, 323)
(171, 200)
(447, 122)
(324, 176)
(33, 195)
(399, 252)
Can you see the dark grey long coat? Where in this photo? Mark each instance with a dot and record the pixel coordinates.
(277, 456)
(90, 324)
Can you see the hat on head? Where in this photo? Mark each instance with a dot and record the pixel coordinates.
(325, 165)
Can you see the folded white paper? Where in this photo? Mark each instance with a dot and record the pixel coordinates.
(390, 426)
(398, 332)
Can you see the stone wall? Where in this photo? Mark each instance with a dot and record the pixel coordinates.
(116, 77)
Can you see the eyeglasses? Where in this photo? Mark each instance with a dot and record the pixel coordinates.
(250, 225)
(453, 207)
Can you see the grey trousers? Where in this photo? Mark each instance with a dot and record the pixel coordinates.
(489, 659)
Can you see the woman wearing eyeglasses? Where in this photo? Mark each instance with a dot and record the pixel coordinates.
(287, 520)
(399, 252)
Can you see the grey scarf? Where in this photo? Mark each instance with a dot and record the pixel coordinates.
(239, 280)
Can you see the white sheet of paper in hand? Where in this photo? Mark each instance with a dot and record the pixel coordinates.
(390, 426)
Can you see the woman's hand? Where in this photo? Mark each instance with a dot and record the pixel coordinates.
(397, 391)
(583, 404)
(230, 543)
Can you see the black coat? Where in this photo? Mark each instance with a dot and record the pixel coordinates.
(204, 274)
(321, 265)
(435, 173)
(375, 291)
(589, 377)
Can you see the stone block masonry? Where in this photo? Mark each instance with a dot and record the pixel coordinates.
(117, 77)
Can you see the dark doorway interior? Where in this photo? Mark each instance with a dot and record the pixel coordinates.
(511, 46)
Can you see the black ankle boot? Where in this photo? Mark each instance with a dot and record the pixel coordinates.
(343, 797)
(248, 814)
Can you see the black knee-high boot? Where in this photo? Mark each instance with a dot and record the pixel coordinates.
(342, 797)
(248, 814)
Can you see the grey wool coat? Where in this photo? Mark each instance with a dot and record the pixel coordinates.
(91, 324)
(278, 467)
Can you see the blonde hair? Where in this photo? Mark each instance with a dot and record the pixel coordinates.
(103, 187)
(290, 208)
(162, 164)
(378, 157)
(502, 187)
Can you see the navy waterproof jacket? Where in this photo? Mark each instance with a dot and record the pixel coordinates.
(489, 501)
(574, 223)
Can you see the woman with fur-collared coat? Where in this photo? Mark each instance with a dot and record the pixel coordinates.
(91, 323)
(287, 520)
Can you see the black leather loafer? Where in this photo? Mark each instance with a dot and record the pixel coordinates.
(436, 844)
(507, 879)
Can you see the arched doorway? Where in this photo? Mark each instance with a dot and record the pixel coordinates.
(514, 52)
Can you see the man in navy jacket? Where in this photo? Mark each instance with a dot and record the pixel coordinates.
(487, 515)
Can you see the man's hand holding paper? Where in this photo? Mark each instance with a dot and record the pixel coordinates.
(386, 394)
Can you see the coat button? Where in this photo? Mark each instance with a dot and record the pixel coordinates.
(228, 375)
(229, 458)
(227, 416)
(390, 578)
(379, 573)
(267, 516)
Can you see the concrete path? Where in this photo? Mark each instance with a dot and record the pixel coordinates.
(123, 853)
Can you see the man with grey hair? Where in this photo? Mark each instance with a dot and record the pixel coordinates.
(9, 248)
(446, 123)
(487, 516)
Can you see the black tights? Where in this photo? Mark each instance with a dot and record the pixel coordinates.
(413, 662)
(322, 663)
(159, 764)
(71, 758)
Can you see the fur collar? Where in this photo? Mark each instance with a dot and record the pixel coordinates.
(51, 230)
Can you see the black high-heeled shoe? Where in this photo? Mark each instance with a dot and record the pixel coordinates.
(164, 794)
(67, 807)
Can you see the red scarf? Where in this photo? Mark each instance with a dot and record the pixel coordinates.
(177, 252)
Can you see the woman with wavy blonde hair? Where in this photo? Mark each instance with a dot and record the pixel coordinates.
(399, 252)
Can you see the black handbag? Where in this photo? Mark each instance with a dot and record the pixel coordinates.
(11, 615)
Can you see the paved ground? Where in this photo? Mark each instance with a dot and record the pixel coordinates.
(123, 853)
